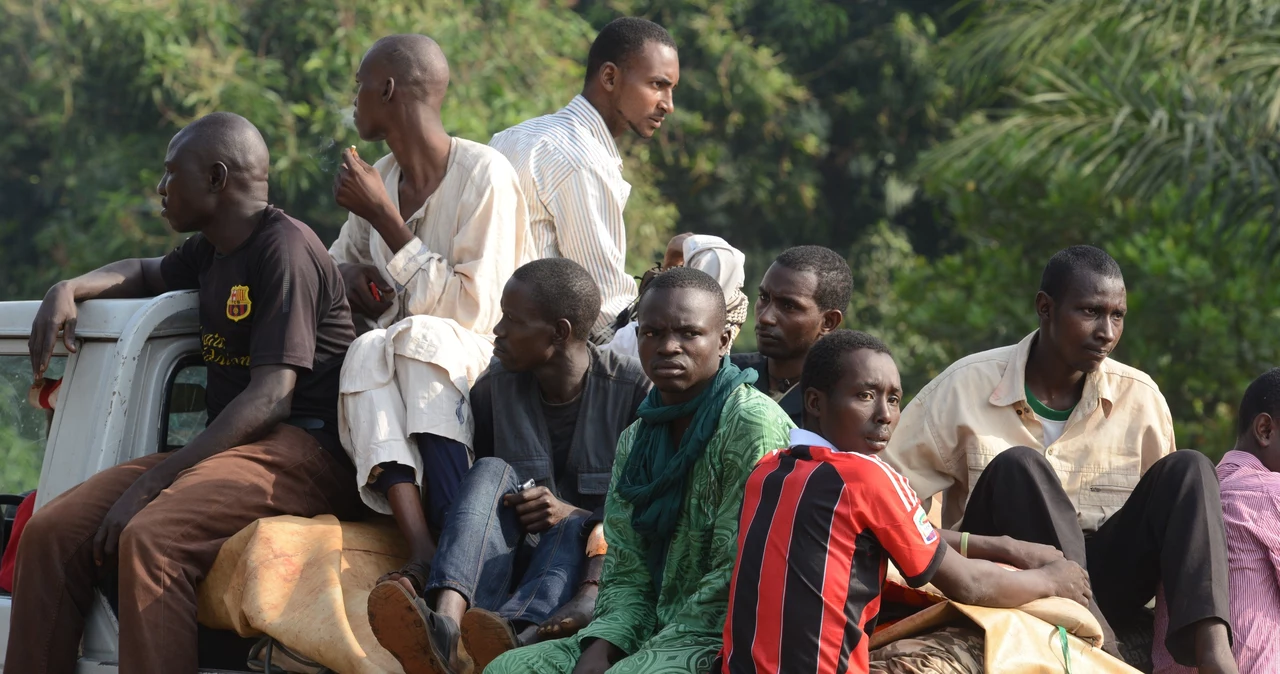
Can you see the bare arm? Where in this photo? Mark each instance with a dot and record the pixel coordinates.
(138, 277)
(1005, 550)
(263, 404)
(983, 583)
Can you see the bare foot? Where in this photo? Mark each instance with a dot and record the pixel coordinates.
(571, 617)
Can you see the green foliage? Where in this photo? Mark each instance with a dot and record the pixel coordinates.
(1149, 95)
(796, 121)
(88, 118)
(1147, 127)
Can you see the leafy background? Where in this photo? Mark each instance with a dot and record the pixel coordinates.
(947, 149)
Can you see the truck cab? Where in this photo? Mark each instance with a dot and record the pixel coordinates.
(135, 385)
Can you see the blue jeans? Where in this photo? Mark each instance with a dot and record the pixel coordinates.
(485, 557)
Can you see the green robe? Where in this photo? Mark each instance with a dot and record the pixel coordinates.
(680, 630)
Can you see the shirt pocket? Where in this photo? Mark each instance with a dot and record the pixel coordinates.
(977, 459)
(593, 484)
(538, 470)
(1107, 490)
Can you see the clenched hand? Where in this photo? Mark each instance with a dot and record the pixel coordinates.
(357, 277)
(358, 187)
(539, 510)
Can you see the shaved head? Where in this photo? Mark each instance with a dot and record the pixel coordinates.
(415, 62)
(227, 138)
(217, 164)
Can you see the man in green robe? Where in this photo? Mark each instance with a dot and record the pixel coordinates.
(671, 515)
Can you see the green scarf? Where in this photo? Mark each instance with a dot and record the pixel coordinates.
(653, 481)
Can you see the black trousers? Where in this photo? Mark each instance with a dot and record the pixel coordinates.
(1169, 531)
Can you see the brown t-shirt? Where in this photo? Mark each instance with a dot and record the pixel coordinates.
(278, 299)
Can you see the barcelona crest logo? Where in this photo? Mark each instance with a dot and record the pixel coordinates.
(238, 304)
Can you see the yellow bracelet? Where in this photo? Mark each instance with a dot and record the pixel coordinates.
(964, 544)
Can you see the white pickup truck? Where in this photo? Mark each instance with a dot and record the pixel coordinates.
(134, 386)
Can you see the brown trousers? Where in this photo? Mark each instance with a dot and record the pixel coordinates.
(164, 552)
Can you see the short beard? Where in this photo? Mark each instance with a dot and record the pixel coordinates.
(637, 131)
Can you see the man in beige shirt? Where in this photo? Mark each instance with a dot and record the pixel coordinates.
(436, 229)
(1050, 441)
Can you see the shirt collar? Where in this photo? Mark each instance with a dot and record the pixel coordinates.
(1012, 387)
(1236, 461)
(392, 181)
(582, 111)
(803, 438)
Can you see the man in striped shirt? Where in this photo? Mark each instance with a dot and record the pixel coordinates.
(1249, 475)
(568, 162)
(821, 519)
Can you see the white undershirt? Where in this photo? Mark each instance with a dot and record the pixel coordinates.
(1052, 429)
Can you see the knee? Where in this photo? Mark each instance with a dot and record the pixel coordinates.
(489, 469)
(140, 542)
(1187, 460)
(1187, 464)
(1020, 459)
(43, 532)
(374, 338)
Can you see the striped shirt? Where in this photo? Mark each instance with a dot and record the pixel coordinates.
(818, 527)
(570, 172)
(1251, 512)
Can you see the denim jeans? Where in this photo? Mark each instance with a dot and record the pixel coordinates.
(484, 555)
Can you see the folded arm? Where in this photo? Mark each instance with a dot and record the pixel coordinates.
(983, 583)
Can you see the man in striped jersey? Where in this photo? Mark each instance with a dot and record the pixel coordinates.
(821, 519)
(569, 165)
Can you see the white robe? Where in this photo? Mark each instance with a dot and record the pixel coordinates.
(412, 373)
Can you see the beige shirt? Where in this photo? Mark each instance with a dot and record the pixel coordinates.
(470, 235)
(978, 408)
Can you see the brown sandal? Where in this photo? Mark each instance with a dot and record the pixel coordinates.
(424, 641)
(416, 572)
(486, 635)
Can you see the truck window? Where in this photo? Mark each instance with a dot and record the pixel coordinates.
(23, 428)
(185, 414)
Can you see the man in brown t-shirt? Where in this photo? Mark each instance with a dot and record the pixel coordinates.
(275, 326)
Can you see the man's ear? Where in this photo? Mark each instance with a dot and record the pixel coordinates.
(832, 320)
(388, 90)
(814, 402)
(608, 76)
(1264, 429)
(1044, 306)
(563, 331)
(218, 175)
(726, 341)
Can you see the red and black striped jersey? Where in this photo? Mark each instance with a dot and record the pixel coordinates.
(817, 529)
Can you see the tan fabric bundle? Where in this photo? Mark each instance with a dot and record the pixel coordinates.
(306, 583)
(1025, 640)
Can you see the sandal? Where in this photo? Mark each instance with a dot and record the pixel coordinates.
(416, 572)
